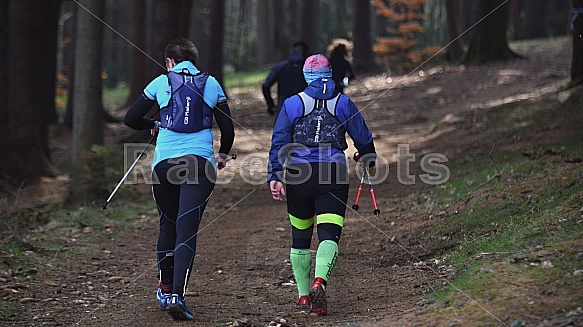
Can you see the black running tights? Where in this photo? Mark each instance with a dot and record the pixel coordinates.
(181, 189)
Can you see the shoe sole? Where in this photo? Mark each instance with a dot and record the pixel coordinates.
(318, 299)
(178, 313)
(303, 307)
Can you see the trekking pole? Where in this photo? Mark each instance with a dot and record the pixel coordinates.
(376, 211)
(355, 206)
(371, 189)
(127, 173)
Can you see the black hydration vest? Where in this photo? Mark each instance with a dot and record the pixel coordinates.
(319, 125)
(186, 111)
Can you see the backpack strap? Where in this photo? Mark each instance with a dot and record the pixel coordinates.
(310, 103)
(331, 104)
(176, 79)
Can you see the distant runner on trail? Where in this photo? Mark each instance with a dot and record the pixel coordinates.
(288, 76)
(342, 70)
(184, 164)
(309, 141)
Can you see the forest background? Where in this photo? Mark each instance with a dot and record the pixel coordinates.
(73, 51)
(494, 84)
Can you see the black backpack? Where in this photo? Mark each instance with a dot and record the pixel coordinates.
(319, 124)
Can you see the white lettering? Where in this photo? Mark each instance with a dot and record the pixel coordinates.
(187, 110)
(317, 137)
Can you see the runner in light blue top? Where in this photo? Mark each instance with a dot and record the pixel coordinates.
(171, 144)
(184, 165)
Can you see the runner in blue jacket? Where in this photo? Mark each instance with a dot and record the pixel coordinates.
(288, 76)
(307, 152)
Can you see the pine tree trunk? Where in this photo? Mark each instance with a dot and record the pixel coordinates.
(87, 104)
(139, 76)
(577, 59)
(455, 50)
(264, 35)
(23, 136)
(489, 42)
(363, 59)
(280, 32)
(215, 51)
(309, 25)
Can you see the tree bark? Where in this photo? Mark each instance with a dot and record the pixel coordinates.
(530, 19)
(281, 35)
(455, 50)
(166, 25)
(217, 31)
(139, 76)
(87, 103)
(577, 59)
(69, 60)
(26, 82)
(363, 59)
(309, 24)
(264, 37)
(200, 31)
(489, 42)
(4, 125)
(48, 17)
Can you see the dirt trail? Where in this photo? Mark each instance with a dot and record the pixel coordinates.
(242, 269)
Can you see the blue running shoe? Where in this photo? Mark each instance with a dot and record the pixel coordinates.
(177, 308)
(162, 298)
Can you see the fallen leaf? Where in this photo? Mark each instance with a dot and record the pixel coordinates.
(27, 300)
(18, 285)
(50, 283)
(115, 278)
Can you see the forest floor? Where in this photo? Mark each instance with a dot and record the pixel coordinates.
(106, 275)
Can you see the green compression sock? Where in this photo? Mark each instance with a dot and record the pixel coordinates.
(301, 261)
(326, 258)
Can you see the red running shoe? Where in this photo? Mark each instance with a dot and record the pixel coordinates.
(303, 303)
(318, 297)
